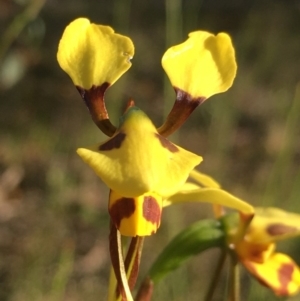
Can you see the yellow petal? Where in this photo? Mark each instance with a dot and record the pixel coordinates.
(136, 216)
(93, 54)
(203, 65)
(137, 159)
(272, 224)
(280, 273)
(210, 195)
(203, 179)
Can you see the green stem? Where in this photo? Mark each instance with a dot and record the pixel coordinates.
(234, 290)
(112, 286)
(117, 260)
(216, 277)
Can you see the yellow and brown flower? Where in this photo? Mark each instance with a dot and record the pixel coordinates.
(140, 166)
(256, 250)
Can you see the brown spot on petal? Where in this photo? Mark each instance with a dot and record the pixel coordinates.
(122, 208)
(280, 229)
(114, 142)
(151, 210)
(167, 144)
(285, 276)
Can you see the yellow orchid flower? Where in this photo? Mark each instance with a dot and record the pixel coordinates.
(256, 249)
(139, 165)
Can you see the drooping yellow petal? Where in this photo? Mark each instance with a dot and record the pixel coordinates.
(210, 195)
(93, 54)
(136, 216)
(279, 272)
(203, 65)
(203, 179)
(272, 224)
(137, 159)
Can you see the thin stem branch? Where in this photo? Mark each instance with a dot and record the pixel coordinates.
(132, 262)
(112, 286)
(117, 260)
(234, 289)
(216, 277)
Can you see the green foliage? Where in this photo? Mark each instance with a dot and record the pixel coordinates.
(193, 240)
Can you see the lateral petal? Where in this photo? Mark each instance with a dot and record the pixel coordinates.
(93, 54)
(272, 224)
(279, 272)
(202, 66)
(210, 195)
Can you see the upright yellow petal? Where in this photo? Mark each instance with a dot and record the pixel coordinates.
(202, 66)
(93, 54)
(279, 272)
(137, 159)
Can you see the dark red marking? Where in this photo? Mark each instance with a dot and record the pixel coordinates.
(122, 208)
(280, 229)
(167, 144)
(151, 210)
(114, 142)
(285, 276)
(183, 107)
(94, 100)
(94, 94)
(185, 97)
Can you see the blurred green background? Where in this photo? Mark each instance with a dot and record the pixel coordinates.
(53, 209)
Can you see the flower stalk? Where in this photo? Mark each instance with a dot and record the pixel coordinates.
(116, 254)
(216, 277)
(234, 284)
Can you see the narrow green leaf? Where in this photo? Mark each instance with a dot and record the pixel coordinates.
(193, 240)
